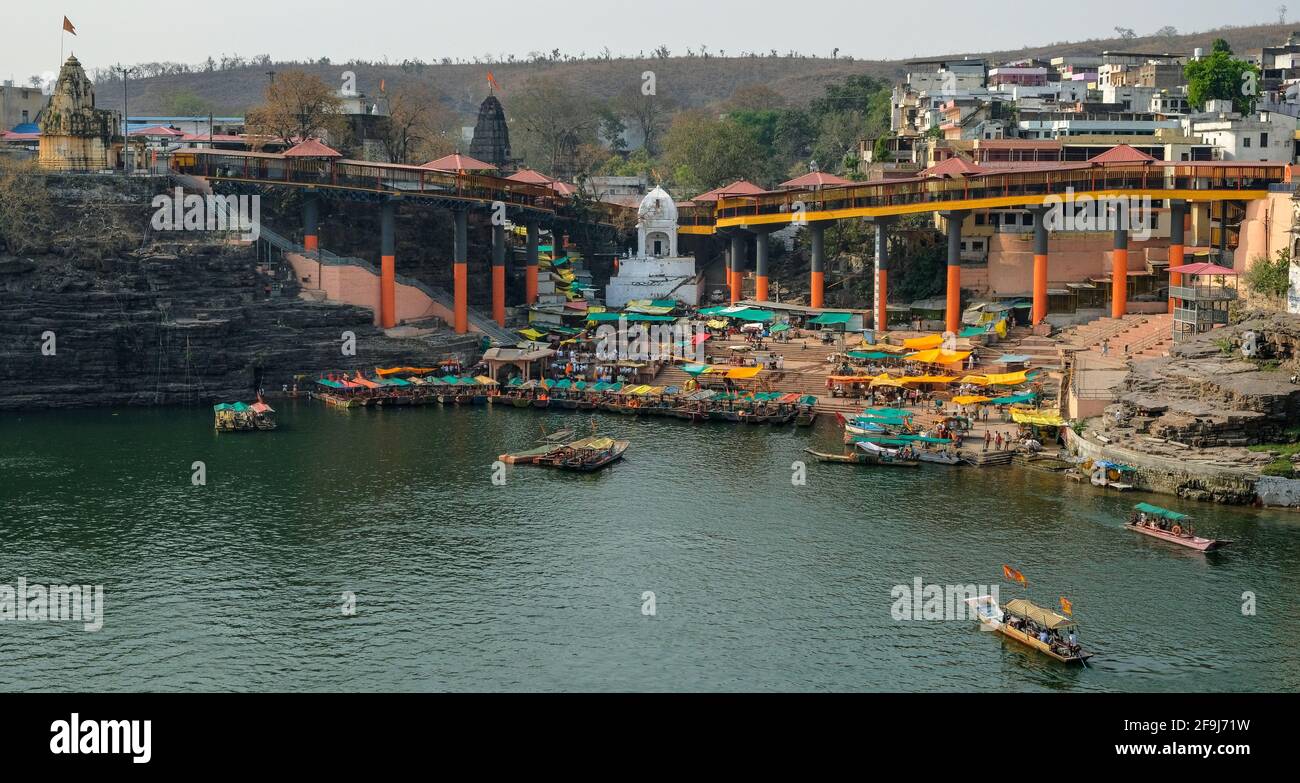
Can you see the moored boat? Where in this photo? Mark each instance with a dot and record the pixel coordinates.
(586, 455)
(1170, 526)
(863, 458)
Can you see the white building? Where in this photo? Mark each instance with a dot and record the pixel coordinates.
(1262, 136)
(656, 271)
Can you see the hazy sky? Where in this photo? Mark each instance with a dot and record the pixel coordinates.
(132, 31)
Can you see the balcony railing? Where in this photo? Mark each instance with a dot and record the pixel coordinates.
(1203, 293)
(1191, 315)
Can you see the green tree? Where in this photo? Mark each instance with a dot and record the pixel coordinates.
(704, 152)
(1270, 277)
(1220, 76)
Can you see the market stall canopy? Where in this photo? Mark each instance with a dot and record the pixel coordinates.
(1038, 418)
(971, 400)
(923, 343)
(938, 356)
(743, 373)
(832, 319)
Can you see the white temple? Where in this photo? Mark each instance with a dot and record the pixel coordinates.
(656, 271)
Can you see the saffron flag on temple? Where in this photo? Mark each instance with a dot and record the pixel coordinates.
(492, 80)
(383, 85)
(68, 27)
(1012, 575)
(1066, 606)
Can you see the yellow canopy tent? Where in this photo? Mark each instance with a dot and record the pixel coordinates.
(1039, 418)
(1007, 379)
(404, 370)
(973, 399)
(717, 323)
(743, 373)
(531, 334)
(938, 356)
(924, 343)
(928, 379)
(884, 380)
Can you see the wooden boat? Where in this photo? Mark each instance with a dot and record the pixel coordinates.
(528, 457)
(1020, 620)
(781, 418)
(521, 402)
(805, 418)
(1170, 526)
(242, 417)
(569, 404)
(585, 456)
(863, 458)
(542, 402)
(938, 457)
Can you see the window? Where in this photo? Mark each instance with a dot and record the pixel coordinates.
(1245, 142)
(1263, 139)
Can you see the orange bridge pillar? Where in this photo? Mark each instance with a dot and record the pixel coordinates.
(1039, 312)
(460, 272)
(310, 222)
(882, 273)
(499, 274)
(1119, 273)
(530, 279)
(817, 263)
(1177, 237)
(760, 264)
(737, 264)
(388, 265)
(952, 309)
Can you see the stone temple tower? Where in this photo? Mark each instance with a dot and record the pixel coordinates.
(75, 136)
(491, 143)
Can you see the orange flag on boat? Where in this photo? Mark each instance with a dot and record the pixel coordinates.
(68, 27)
(492, 80)
(1066, 606)
(1012, 575)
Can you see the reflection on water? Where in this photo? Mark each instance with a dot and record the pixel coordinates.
(537, 585)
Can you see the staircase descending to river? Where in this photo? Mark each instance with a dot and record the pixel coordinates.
(479, 320)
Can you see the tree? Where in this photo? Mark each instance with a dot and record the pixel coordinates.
(1125, 33)
(1220, 76)
(648, 114)
(26, 210)
(184, 103)
(299, 105)
(612, 129)
(1168, 31)
(419, 128)
(704, 152)
(550, 121)
(1270, 277)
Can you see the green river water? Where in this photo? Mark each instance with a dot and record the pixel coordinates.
(461, 584)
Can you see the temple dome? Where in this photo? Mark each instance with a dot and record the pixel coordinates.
(657, 206)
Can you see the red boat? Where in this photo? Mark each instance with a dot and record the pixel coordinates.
(1170, 526)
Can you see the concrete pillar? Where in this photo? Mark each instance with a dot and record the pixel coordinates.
(817, 248)
(737, 264)
(882, 273)
(530, 272)
(388, 265)
(460, 272)
(1223, 259)
(1177, 240)
(952, 311)
(310, 222)
(499, 274)
(1039, 312)
(760, 265)
(1119, 274)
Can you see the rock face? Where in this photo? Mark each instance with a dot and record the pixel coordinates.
(177, 322)
(1207, 393)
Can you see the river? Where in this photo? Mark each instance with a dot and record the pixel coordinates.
(463, 584)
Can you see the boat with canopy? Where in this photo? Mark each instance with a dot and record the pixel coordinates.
(1052, 634)
(1170, 526)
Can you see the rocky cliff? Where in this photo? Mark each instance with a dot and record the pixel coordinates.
(183, 320)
